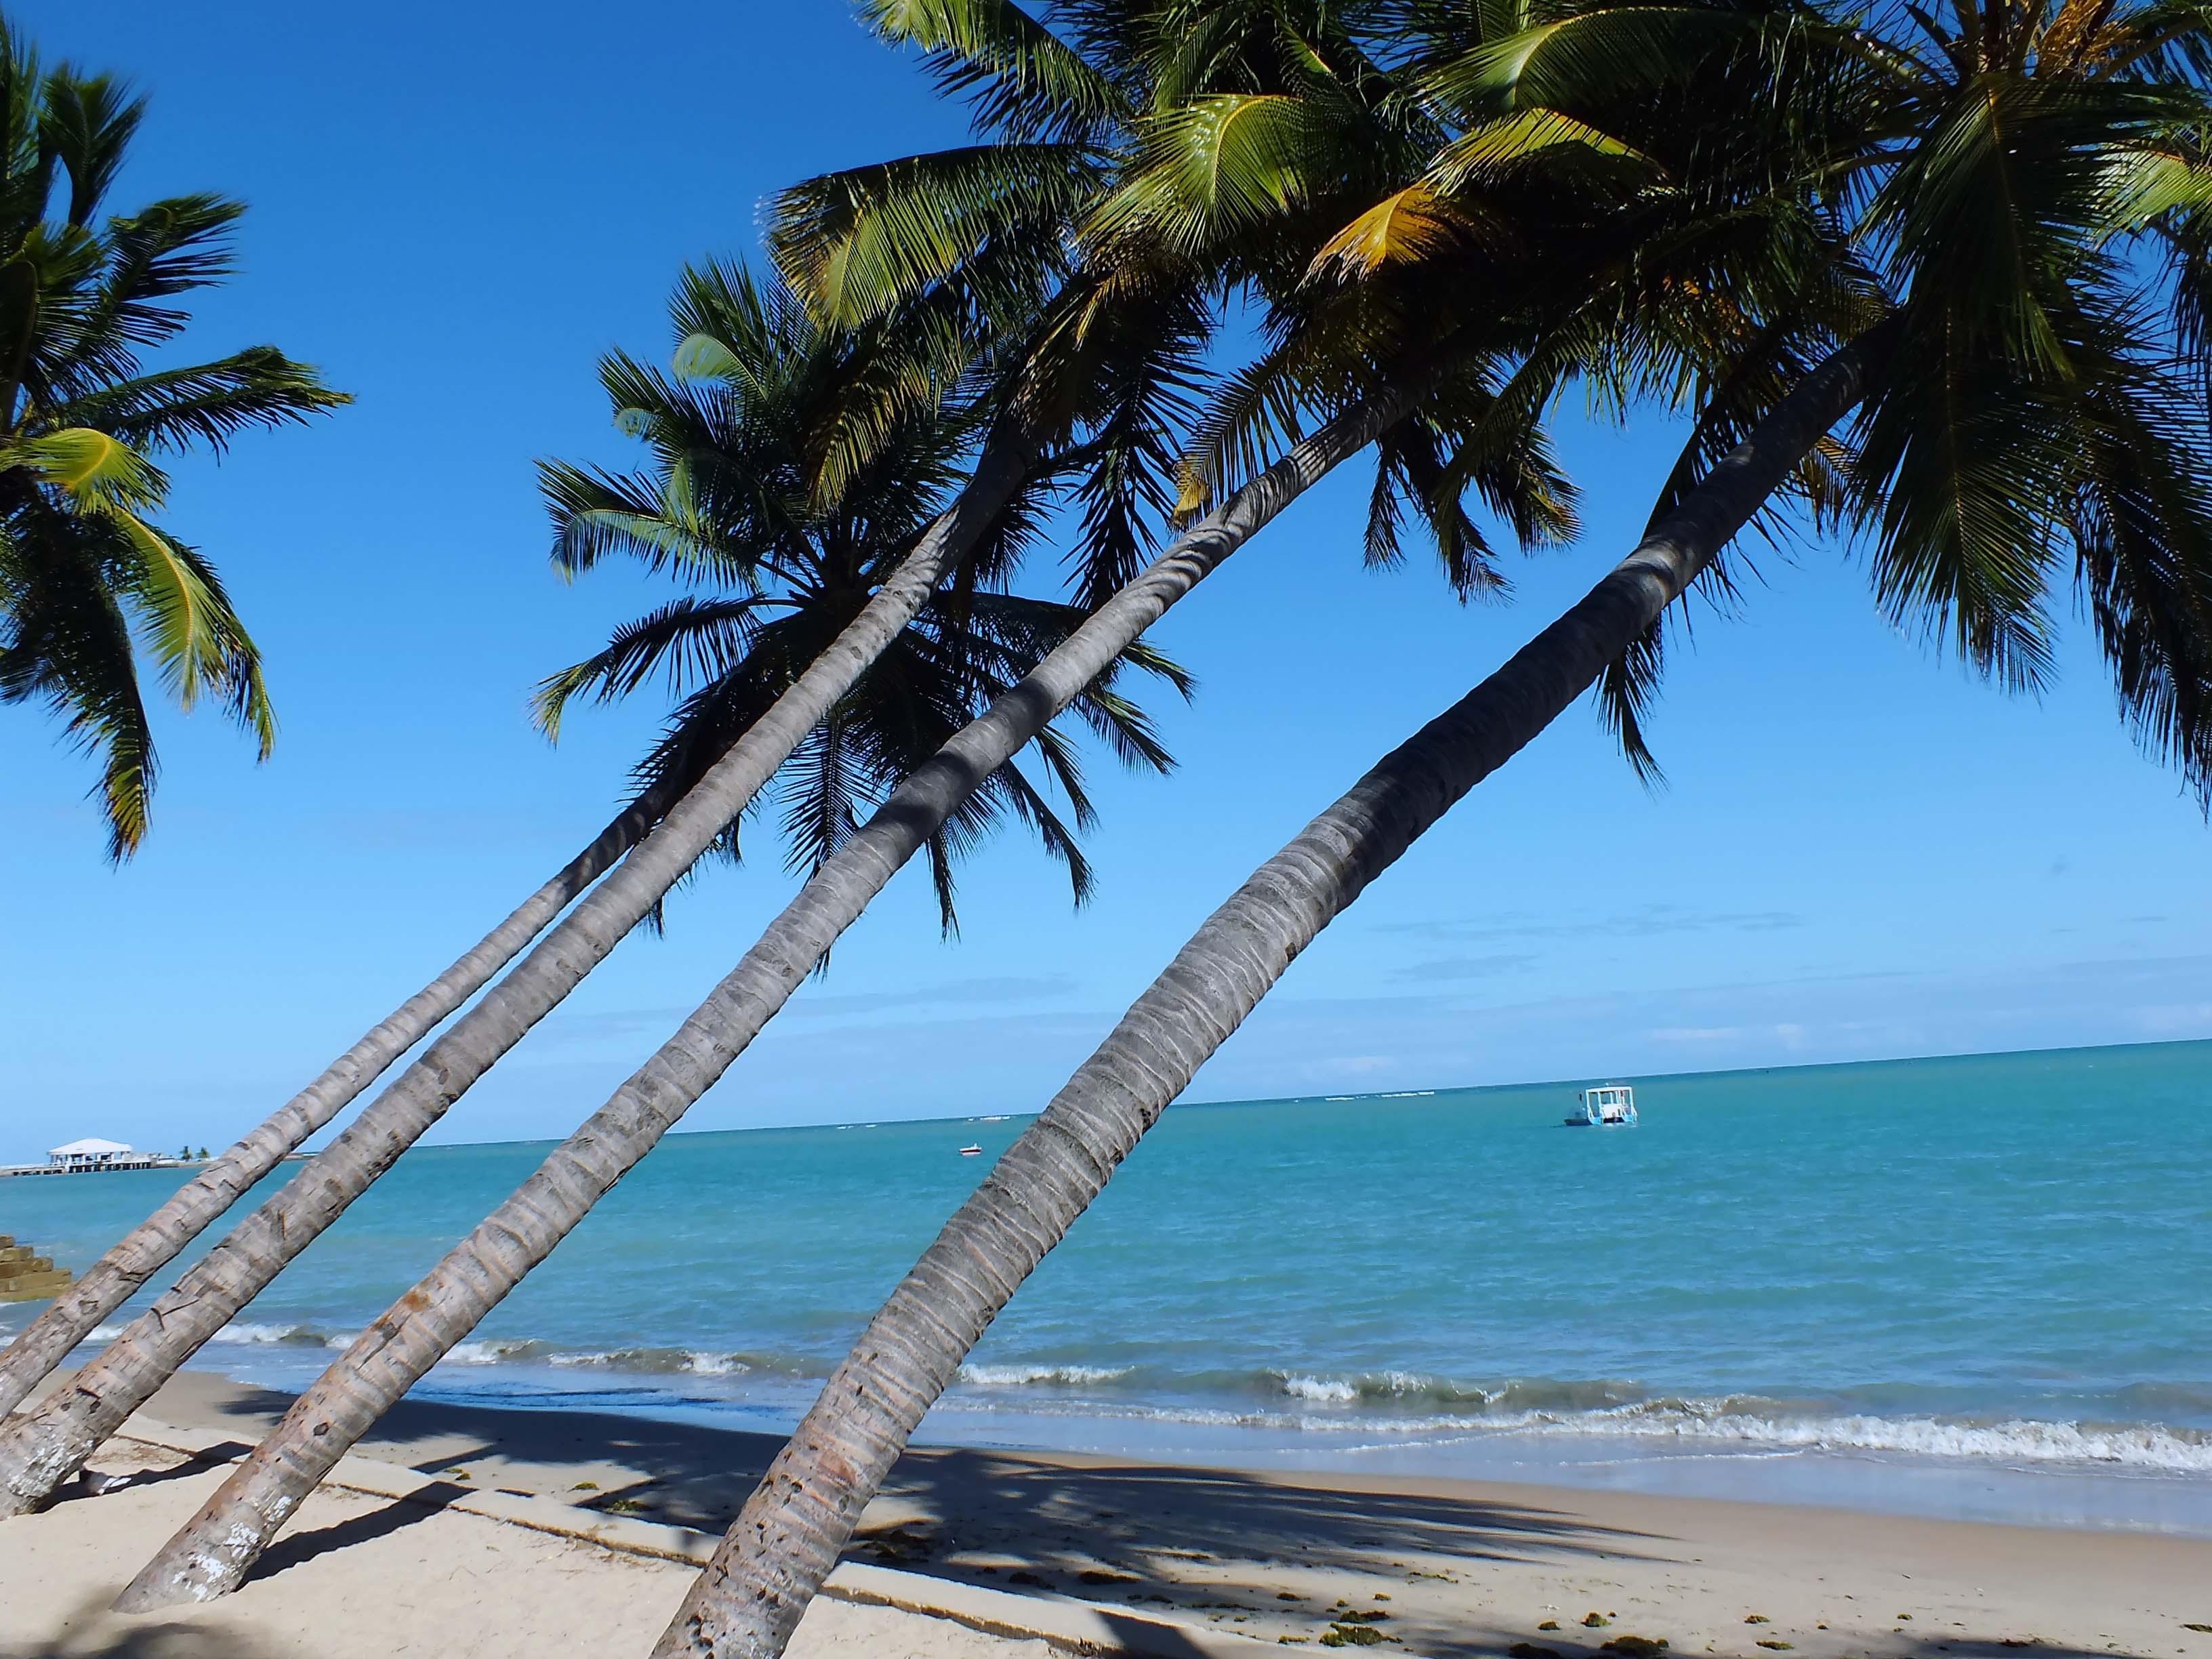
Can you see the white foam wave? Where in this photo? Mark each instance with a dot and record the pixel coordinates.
(1388, 1405)
(247, 1332)
(715, 1364)
(2151, 1448)
(2136, 1445)
(1322, 1391)
(1016, 1377)
(491, 1353)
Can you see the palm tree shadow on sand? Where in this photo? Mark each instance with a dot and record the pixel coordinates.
(1198, 1545)
(157, 1639)
(1209, 1548)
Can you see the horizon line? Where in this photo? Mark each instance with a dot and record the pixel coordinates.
(1415, 1091)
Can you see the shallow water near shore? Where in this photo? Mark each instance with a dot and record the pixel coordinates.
(1972, 1286)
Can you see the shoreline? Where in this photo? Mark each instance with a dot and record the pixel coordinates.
(2041, 1479)
(1461, 1567)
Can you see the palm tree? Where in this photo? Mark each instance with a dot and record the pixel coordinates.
(85, 574)
(1495, 452)
(776, 1554)
(84, 569)
(735, 502)
(920, 357)
(1107, 358)
(211, 1554)
(1011, 454)
(2034, 390)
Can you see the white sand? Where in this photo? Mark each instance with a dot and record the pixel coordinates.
(1462, 1570)
(358, 1577)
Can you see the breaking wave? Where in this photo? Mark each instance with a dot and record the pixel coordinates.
(1016, 1377)
(1393, 1407)
(643, 1361)
(1396, 1405)
(295, 1336)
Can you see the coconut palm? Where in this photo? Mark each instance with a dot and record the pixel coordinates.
(2029, 184)
(921, 356)
(211, 1554)
(1495, 450)
(88, 578)
(776, 1553)
(1089, 371)
(1115, 362)
(734, 504)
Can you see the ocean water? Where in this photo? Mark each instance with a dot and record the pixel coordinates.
(1976, 1286)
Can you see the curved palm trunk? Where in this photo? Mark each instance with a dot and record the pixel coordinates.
(774, 1558)
(155, 1242)
(45, 1448)
(212, 1553)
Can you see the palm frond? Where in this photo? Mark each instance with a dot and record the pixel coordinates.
(859, 244)
(1022, 82)
(207, 404)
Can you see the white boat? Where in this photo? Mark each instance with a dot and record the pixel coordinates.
(1612, 1107)
(971, 1152)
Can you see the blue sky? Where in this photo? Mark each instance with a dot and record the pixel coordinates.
(1863, 851)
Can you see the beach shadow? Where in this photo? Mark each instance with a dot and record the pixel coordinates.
(1972, 1647)
(79, 1489)
(297, 1548)
(103, 1635)
(165, 1641)
(1222, 1550)
(1216, 1547)
(1207, 1545)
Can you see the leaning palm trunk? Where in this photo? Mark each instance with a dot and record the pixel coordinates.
(211, 1554)
(782, 1545)
(49, 1445)
(157, 1241)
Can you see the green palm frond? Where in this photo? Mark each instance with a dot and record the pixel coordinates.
(1625, 692)
(1023, 82)
(172, 410)
(1968, 469)
(66, 643)
(90, 581)
(794, 464)
(860, 243)
(85, 126)
(2142, 531)
(1219, 165)
(1588, 56)
(685, 643)
(598, 515)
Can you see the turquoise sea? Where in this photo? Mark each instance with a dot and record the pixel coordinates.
(1978, 1286)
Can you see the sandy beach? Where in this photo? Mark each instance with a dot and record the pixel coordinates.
(1438, 1567)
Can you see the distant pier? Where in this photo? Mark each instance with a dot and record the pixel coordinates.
(142, 1161)
(96, 1157)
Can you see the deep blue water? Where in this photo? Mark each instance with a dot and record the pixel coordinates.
(1978, 1284)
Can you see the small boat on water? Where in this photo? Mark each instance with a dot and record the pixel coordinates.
(1612, 1107)
(971, 1152)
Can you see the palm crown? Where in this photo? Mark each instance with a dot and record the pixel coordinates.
(1287, 157)
(87, 577)
(1690, 203)
(743, 501)
(2008, 203)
